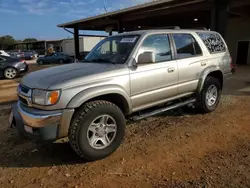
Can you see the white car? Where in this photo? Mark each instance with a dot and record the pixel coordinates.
(2, 52)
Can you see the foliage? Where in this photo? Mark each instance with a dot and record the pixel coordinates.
(30, 40)
(7, 42)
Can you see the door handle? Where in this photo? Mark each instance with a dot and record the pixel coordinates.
(170, 70)
(203, 63)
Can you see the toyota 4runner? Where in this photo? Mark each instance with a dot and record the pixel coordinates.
(133, 76)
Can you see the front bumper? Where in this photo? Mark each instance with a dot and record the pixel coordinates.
(39, 124)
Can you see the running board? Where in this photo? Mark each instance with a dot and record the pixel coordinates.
(161, 110)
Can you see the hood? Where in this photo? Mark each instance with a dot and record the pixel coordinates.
(45, 78)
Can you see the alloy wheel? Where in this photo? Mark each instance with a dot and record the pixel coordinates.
(10, 73)
(102, 132)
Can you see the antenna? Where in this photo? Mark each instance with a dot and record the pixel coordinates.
(104, 5)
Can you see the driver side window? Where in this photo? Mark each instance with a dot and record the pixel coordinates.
(158, 44)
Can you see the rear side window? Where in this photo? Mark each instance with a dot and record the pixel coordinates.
(213, 42)
(186, 46)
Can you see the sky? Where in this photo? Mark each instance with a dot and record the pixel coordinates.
(38, 18)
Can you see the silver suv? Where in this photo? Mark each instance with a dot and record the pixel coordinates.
(132, 76)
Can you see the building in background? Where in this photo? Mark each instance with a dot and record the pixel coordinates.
(66, 46)
(86, 43)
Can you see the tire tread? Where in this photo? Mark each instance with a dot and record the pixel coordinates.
(79, 115)
(201, 103)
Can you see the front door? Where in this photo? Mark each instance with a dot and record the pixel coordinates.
(154, 83)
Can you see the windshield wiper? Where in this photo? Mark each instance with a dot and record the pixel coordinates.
(100, 60)
(87, 61)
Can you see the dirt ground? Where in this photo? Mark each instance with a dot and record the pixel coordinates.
(184, 149)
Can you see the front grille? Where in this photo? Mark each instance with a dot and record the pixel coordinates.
(24, 89)
(23, 101)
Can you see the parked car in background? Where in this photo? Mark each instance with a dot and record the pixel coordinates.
(11, 67)
(2, 52)
(35, 54)
(29, 56)
(12, 54)
(56, 57)
(82, 55)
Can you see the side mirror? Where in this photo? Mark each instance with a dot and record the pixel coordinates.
(146, 58)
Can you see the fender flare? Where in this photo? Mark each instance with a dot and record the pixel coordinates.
(204, 75)
(98, 91)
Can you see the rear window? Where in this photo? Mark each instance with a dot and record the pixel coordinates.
(213, 42)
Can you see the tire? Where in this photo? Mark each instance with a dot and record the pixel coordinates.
(61, 61)
(87, 119)
(206, 103)
(40, 62)
(10, 73)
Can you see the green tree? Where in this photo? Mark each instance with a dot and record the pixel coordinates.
(7, 42)
(30, 40)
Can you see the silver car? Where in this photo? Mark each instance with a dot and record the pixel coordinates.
(133, 76)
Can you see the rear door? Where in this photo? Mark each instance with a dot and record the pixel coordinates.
(190, 61)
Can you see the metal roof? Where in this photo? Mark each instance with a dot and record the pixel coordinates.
(134, 14)
(125, 10)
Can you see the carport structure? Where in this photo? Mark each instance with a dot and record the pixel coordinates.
(210, 14)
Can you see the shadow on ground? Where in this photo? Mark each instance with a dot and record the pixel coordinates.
(43, 155)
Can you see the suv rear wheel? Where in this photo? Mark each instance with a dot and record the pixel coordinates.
(97, 130)
(210, 95)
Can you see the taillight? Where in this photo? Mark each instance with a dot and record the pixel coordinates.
(231, 63)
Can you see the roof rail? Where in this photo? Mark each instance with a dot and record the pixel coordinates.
(167, 27)
(171, 27)
(199, 28)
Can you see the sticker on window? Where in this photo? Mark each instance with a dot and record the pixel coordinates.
(128, 40)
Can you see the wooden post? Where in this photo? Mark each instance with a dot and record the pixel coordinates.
(120, 27)
(76, 41)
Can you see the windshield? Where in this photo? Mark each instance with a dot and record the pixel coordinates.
(115, 49)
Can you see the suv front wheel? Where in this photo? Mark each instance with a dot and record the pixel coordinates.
(209, 97)
(97, 130)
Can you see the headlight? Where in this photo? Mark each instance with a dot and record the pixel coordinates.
(42, 97)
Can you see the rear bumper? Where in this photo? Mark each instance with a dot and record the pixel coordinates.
(23, 69)
(227, 77)
(41, 125)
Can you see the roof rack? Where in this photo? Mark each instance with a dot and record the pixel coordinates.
(171, 27)
(199, 28)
